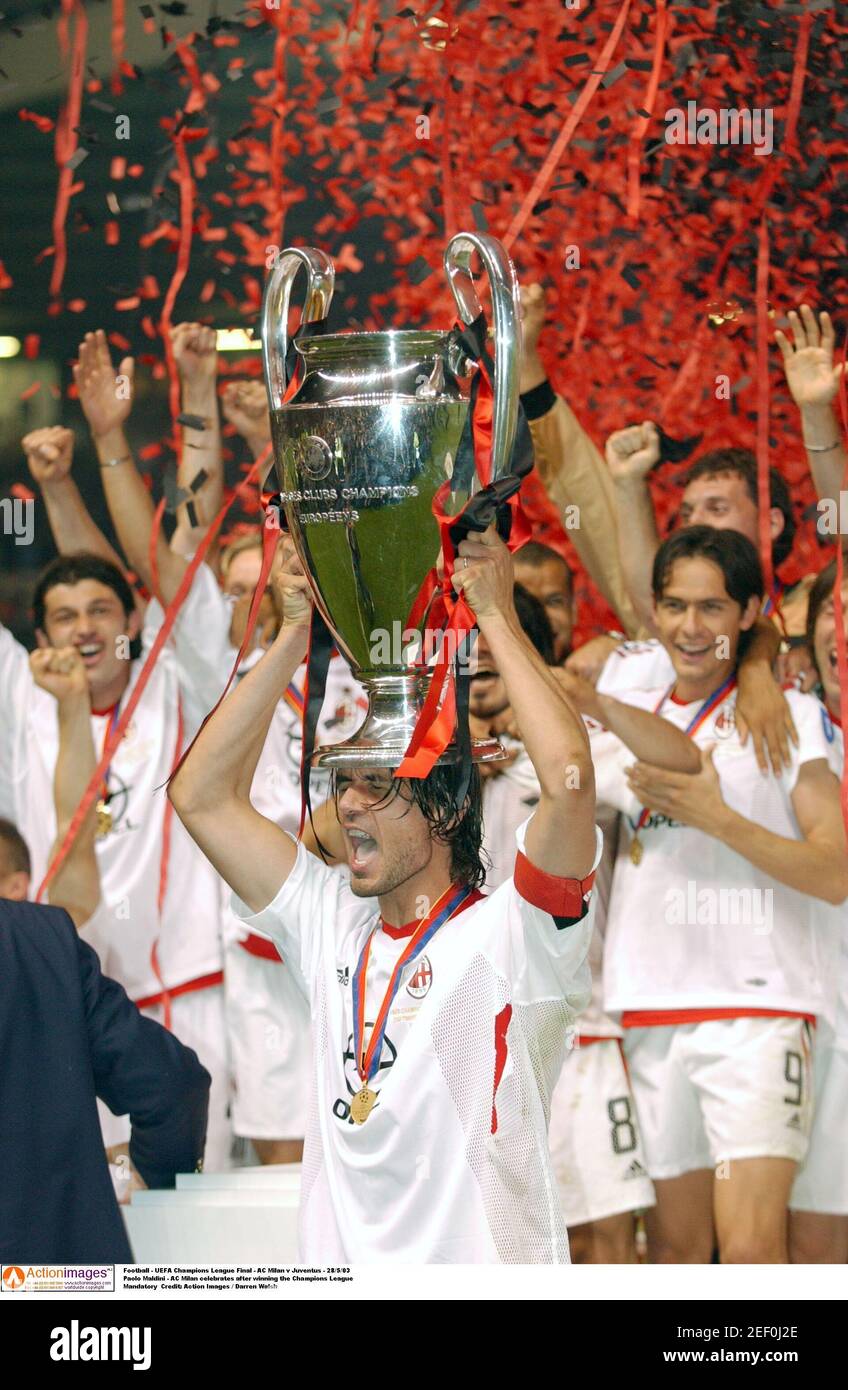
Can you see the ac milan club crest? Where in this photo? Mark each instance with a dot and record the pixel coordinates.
(421, 978)
(725, 722)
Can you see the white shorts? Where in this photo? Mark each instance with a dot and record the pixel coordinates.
(822, 1183)
(269, 1027)
(724, 1089)
(594, 1137)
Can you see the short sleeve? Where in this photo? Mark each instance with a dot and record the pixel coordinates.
(549, 953)
(312, 893)
(635, 666)
(812, 723)
(200, 641)
(16, 684)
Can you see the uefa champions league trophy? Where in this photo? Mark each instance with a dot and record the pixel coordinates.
(373, 442)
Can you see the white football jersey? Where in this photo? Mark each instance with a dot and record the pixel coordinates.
(694, 925)
(834, 737)
(636, 666)
(126, 926)
(508, 799)
(452, 1164)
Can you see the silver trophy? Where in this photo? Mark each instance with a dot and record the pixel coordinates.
(366, 445)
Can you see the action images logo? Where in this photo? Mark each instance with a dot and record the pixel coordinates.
(77, 1343)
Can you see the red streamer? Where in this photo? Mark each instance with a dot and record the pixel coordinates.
(559, 146)
(65, 144)
(763, 482)
(640, 125)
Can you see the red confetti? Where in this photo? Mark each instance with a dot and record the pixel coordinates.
(131, 303)
(118, 167)
(44, 123)
(30, 390)
(76, 306)
(31, 342)
(21, 491)
(113, 233)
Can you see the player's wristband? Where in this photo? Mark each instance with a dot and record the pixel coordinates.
(113, 463)
(538, 400)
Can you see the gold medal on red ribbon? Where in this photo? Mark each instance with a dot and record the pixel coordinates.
(362, 1105)
(104, 819)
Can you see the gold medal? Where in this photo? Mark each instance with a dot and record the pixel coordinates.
(104, 819)
(637, 849)
(362, 1105)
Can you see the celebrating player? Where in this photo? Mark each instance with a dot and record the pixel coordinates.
(432, 1075)
(720, 978)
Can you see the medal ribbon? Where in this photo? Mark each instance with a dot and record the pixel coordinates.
(699, 717)
(110, 729)
(368, 1061)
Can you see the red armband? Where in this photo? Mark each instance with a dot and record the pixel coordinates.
(561, 897)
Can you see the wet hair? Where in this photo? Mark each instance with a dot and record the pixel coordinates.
(73, 569)
(460, 827)
(741, 463)
(822, 588)
(14, 855)
(732, 552)
(535, 623)
(536, 554)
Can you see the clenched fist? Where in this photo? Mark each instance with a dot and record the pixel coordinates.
(49, 453)
(631, 453)
(59, 671)
(195, 353)
(245, 405)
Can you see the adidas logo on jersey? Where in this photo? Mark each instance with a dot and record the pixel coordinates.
(343, 974)
(794, 1122)
(635, 1170)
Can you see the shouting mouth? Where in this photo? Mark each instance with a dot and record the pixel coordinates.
(363, 849)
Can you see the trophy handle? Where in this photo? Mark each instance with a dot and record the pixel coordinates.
(321, 276)
(507, 326)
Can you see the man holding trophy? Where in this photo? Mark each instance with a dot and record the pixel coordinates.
(440, 1016)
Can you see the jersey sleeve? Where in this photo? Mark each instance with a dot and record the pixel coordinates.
(812, 724)
(16, 684)
(635, 666)
(200, 642)
(311, 894)
(551, 922)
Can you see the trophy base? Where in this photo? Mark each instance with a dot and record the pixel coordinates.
(394, 703)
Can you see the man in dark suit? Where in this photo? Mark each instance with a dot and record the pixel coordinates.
(67, 1035)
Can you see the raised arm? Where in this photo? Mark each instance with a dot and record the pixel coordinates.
(814, 382)
(561, 836)
(49, 453)
(631, 454)
(571, 469)
(245, 406)
(76, 885)
(211, 791)
(106, 400)
(816, 865)
(197, 363)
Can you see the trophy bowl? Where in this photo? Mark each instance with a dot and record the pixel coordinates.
(372, 446)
